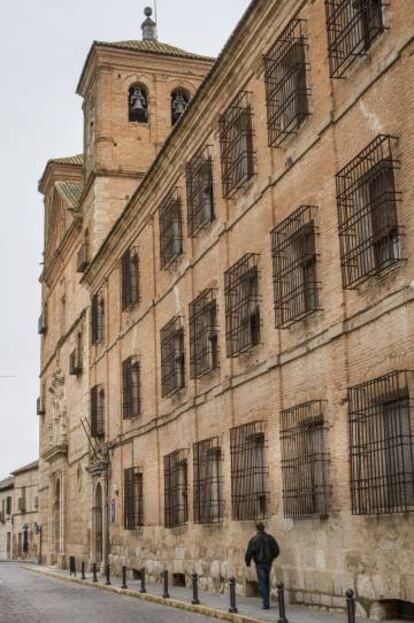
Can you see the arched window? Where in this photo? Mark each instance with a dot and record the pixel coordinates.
(138, 103)
(179, 102)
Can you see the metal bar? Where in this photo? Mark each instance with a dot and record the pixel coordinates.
(143, 587)
(164, 576)
(124, 578)
(95, 577)
(108, 575)
(232, 589)
(350, 606)
(83, 577)
(194, 578)
(281, 602)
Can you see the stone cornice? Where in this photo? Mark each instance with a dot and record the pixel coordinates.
(66, 247)
(56, 172)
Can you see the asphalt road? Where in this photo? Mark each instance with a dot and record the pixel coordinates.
(29, 598)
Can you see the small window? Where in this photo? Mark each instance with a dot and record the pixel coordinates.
(236, 141)
(352, 27)
(175, 489)
(208, 494)
(131, 406)
(138, 103)
(172, 357)
(130, 278)
(97, 411)
(171, 229)
(133, 499)
(200, 193)
(286, 84)
(203, 334)
(179, 102)
(97, 319)
(241, 290)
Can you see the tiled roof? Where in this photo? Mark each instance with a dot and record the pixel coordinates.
(26, 468)
(71, 192)
(153, 47)
(69, 160)
(7, 483)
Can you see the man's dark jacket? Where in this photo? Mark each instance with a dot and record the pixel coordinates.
(262, 548)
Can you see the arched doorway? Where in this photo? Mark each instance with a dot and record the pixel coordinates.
(56, 517)
(97, 512)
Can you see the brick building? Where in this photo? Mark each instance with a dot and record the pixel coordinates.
(228, 306)
(6, 510)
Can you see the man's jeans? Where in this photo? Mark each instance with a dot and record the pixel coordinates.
(263, 575)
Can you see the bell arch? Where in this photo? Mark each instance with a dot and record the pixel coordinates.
(180, 98)
(138, 106)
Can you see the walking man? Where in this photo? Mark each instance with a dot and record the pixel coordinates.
(263, 549)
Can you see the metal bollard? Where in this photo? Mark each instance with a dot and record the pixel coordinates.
(232, 588)
(195, 601)
(124, 581)
(108, 575)
(350, 605)
(164, 576)
(83, 577)
(281, 600)
(95, 577)
(143, 589)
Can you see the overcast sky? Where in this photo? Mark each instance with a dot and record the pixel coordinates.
(43, 45)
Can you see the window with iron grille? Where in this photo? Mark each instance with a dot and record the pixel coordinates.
(175, 489)
(130, 278)
(76, 357)
(97, 411)
(131, 404)
(382, 445)
(97, 319)
(249, 473)
(241, 290)
(133, 499)
(304, 461)
(236, 141)
(208, 494)
(172, 357)
(287, 92)
(367, 212)
(294, 259)
(203, 334)
(200, 192)
(352, 27)
(171, 229)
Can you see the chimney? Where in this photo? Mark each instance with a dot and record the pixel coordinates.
(149, 27)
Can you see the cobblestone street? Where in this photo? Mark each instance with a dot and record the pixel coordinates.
(26, 597)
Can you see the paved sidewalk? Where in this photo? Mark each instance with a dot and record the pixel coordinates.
(214, 604)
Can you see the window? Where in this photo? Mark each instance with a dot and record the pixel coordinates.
(294, 266)
(286, 84)
(9, 505)
(97, 318)
(82, 261)
(236, 141)
(133, 499)
(175, 489)
(97, 411)
(131, 404)
(138, 103)
(203, 334)
(382, 445)
(179, 102)
(200, 193)
(352, 27)
(172, 357)
(76, 357)
(241, 290)
(130, 278)
(208, 495)
(249, 493)
(304, 461)
(171, 229)
(367, 212)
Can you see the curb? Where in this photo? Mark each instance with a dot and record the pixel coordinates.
(222, 615)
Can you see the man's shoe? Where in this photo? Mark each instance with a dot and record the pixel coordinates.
(265, 607)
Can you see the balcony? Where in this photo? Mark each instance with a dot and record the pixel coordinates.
(82, 261)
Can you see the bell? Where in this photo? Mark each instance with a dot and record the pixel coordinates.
(179, 104)
(138, 100)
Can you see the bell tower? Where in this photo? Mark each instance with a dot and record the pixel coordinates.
(133, 93)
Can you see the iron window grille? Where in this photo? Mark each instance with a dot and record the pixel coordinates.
(76, 357)
(249, 473)
(352, 27)
(208, 501)
(304, 461)
(138, 103)
(97, 319)
(294, 260)
(382, 445)
(133, 499)
(287, 93)
(175, 489)
(236, 141)
(241, 290)
(130, 278)
(172, 357)
(367, 200)
(131, 403)
(97, 411)
(171, 229)
(203, 334)
(200, 192)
